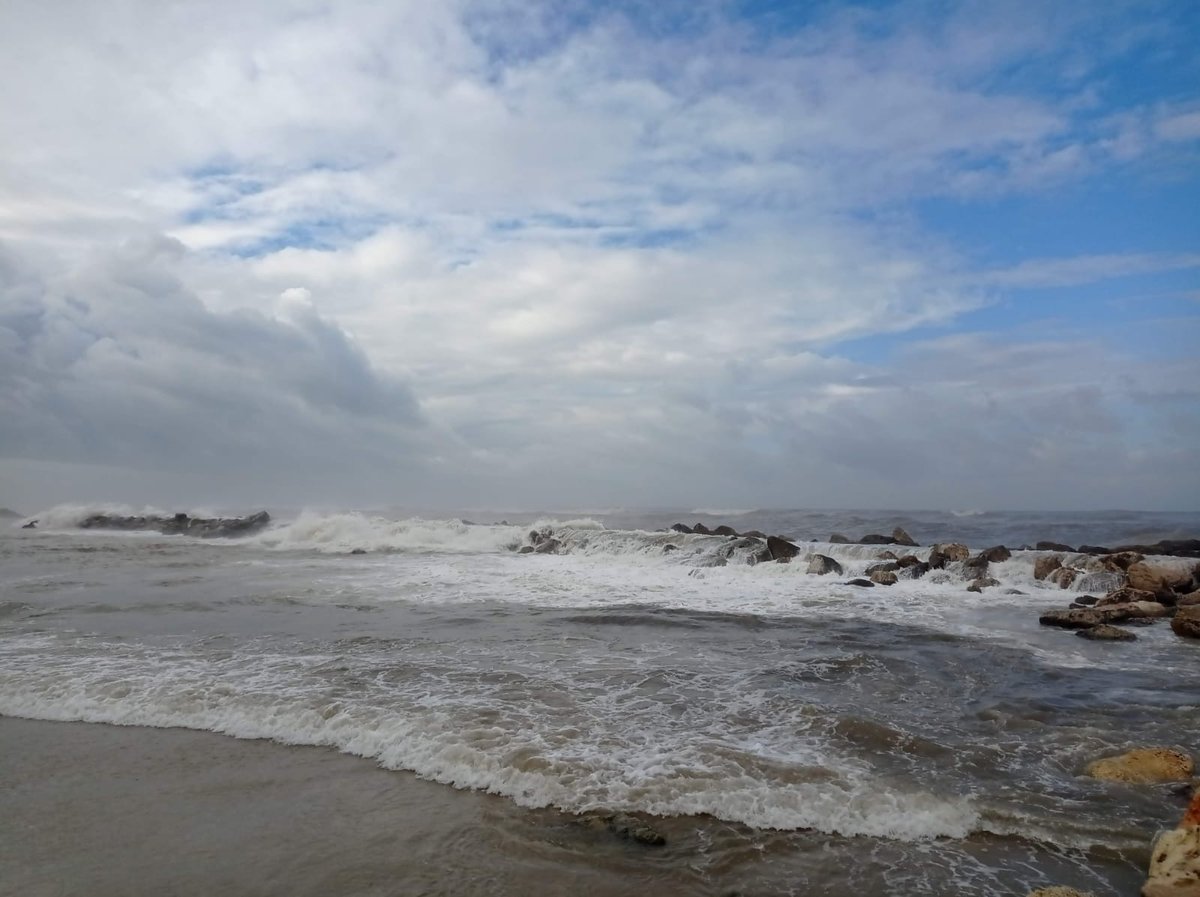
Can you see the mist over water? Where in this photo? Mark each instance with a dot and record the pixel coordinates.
(769, 718)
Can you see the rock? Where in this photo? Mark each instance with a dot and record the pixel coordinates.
(1063, 576)
(1017, 592)
(781, 550)
(1121, 561)
(701, 530)
(548, 545)
(975, 568)
(1087, 600)
(1143, 766)
(876, 539)
(995, 554)
(861, 583)
(181, 524)
(1180, 548)
(1124, 595)
(1186, 622)
(633, 829)
(821, 564)
(525, 549)
(1044, 566)
(1189, 600)
(900, 537)
(1054, 546)
(886, 555)
(755, 534)
(1175, 858)
(915, 571)
(885, 567)
(1094, 549)
(839, 539)
(358, 551)
(1107, 633)
(32, 524)
(723, 530)
(1084, 618)
(983, 582)
(1059, 891)
(1143, 577)
(884, 577)
(908, 560)
(681, 528)
(1145, 609)
(669, 547)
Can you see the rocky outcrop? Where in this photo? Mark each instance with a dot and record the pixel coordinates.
(1175, 858)
(181, 524)
(1084, 618)
(1180, 548)
(821, 564)
(1143, 766)
(876, 539)
(1186, 622)
(781, 550)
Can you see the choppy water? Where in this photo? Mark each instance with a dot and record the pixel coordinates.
(805, 736)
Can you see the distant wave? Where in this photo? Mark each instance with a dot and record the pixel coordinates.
(722, 512)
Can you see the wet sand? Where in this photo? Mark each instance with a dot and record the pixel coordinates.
(105, 810)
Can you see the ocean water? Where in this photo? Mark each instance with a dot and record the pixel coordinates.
(798, 735)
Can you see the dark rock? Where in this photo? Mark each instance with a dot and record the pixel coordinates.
(723, 530)
(908, 560)
(1044, 566)
(976, 567)
(983, 582)
(1084, 619)
(754, 534)
(996, 554)
(681, 528)
(876, 539)
(862, 583)
(900, 537)
(839, 539)
(781, 550)
(1180, 548)
(944, 553)
(821, 564)
(701, 530)
(1124, 596)
(886, 555)
(1053, 546)
(548, 545)
(32, 524)
(525, 549)
(670, 547)
(914, 571)
(181, 524)
(885, 567)
(1094, 549)
(359, 551)
(1087, 600)
(1019, 592)
(1105, 632)
(633, 829)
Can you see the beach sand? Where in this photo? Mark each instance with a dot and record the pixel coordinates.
(109, 810)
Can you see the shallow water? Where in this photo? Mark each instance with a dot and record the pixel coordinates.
(791, 734)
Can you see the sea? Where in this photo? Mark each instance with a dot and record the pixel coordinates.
(785, 732)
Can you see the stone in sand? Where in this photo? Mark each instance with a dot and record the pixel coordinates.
(1143, 766)
(1107, 633)
(633, 829)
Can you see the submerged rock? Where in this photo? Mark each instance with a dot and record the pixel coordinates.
(1186, 622)
(633, 829)
(995, 554)
(1106, 632)
(1143, 766)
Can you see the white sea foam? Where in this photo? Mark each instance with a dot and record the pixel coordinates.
(342, 533)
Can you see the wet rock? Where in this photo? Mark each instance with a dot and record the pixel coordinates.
(32, 524)
(1044, 566)
(781, 550)
(900, 537)
(358, 551)
(701, 530)
(1094, 549)
(1054, 546)
(1087, 600)
(1190, 600)
(723, 530)
(1143, 766)
(861, 583)
(181, 524)
(1124, 596)
(1013, 592)
(908, 560)
(1186, 622)
(839, 539)
(1100, 581)
(914, 571)
(1063, 577)
(1121, 561)
(946, 552)
(983, 582)
(887, 556)
(1059, 891)
(549, 545)
(1084, 618)
(884, 577)
(525, 549)
(821, 564)
(885, 567)
(1147, 610)
(1144, 577)
(1175, 858)
(876, 539)
(681, 528)
(754, 534)
(669, 547)
(1180, 548)
(633, 829)
(995, 554)
(1107, 633)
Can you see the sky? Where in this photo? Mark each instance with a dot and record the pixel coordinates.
(513, 254)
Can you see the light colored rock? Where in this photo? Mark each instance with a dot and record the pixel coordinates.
(1044, 566)
(884, 577)
(1140, 610)
(1124, 596)
(1143, 766)
(1063, 576)
(1059, 891)
(1186, 621)
(1143, 576)
(1107, 633)
(1175, 858)
(1189, 600)
(981, 583)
